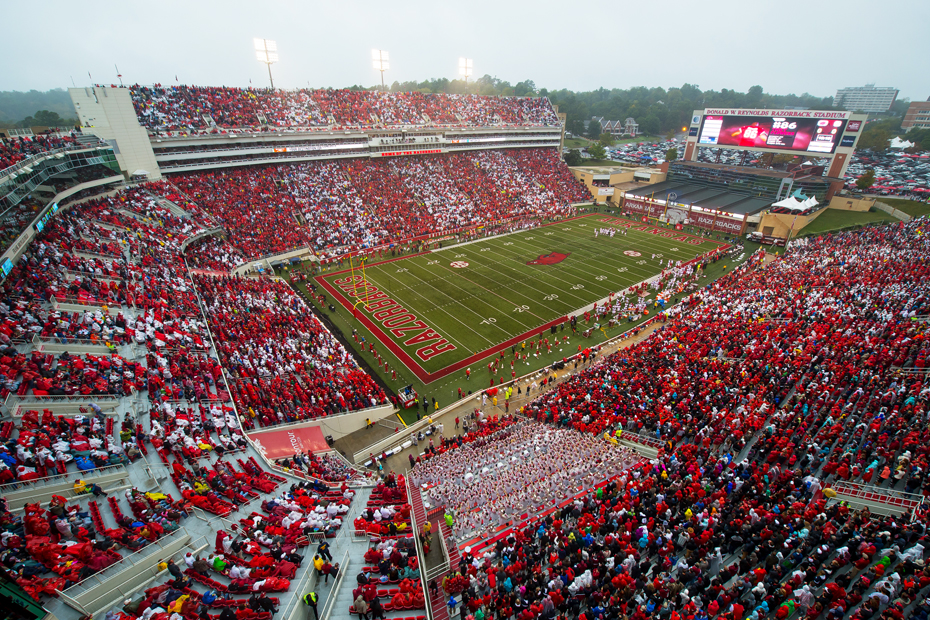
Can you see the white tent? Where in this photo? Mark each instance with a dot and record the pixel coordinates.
(898, 143)
(794, 204)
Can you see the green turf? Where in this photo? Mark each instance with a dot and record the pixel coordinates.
(835, 219)
(445, 390)
(577, 143)
(911, 207)
(498, 296)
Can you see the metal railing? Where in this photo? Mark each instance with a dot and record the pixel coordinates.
(38, 483)
(879, 495)
(196, 546)
(306, 584)
(443, 567)
(334, 592)
(652, 442)
(128, 561)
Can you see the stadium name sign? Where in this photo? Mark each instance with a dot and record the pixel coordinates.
(396, 319)
(775, 113)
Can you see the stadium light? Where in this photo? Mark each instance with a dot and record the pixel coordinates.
(266, 51)
(465, 69)
(379, 60)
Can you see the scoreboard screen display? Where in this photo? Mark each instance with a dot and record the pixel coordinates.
(811, 135)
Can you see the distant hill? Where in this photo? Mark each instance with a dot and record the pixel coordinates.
(15, 106)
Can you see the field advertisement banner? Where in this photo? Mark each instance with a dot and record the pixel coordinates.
(716, 222)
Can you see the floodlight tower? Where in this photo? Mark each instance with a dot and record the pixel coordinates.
(379, 60)
(465, 68)
(267, 52)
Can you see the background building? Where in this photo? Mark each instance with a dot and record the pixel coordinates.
(917, 115)
(866, 98)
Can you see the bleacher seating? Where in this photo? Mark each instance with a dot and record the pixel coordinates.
(171, 108)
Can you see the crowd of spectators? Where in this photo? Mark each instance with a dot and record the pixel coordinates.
(16, 149)
(777, 382)
(326, 467)
(282, 363)
(173, 108)
(47, 550)
(44, 444)
(349, 204)
(522, 468)
(213, 254)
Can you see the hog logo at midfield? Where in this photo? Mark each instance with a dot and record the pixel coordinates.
(549, 259)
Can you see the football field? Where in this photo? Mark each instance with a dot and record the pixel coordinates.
(441, 311)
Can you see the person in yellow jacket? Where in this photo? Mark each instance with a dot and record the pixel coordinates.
(318, 564)
(80, 487)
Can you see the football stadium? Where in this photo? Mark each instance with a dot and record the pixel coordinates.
(326, 354)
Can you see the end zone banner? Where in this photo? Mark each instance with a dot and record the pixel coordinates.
(288, 442)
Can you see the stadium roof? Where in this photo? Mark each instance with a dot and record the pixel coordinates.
(703, 196)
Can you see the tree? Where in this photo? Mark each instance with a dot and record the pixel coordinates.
(876, 134)
(606, 139)
(575, 127)
(671, 154)
(670, 134)
(594, 130)
(649, 125)
(875, 139)
(597, 151)
(866, 180)
(572, 158)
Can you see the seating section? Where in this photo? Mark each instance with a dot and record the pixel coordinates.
(283, 365)
(390, 561)
(49, 550)
(171, 108)
(16, 149)
(387, 514)
(44, 445)
(326, 467)
(363, 202)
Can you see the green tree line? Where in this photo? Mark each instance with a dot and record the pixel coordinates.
(23, 109)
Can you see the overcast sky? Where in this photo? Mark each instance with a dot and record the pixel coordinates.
(789, 46)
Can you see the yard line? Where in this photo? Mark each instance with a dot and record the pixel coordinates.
(579, 270)
(664, 249)
(468, 294)
(449, 336)
(515, 305)
(498, 274)
(671, 241)
(567, 289)
(522, 275)
(586, 266)
(582, 240)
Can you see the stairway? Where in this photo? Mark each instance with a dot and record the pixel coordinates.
(87, 140)
(416, 505)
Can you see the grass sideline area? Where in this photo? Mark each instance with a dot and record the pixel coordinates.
(833, 220)
(911, 207)
(457, 304)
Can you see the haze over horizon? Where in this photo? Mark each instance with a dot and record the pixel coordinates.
(782, 46)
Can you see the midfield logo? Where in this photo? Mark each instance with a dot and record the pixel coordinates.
(549, 259)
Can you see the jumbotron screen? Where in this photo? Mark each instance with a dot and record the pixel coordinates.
(786, 133)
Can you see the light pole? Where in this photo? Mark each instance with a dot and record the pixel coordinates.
(465, 69)
(379, 60)
(267, 52)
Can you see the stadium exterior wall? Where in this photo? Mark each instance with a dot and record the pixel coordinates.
(108, 113)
